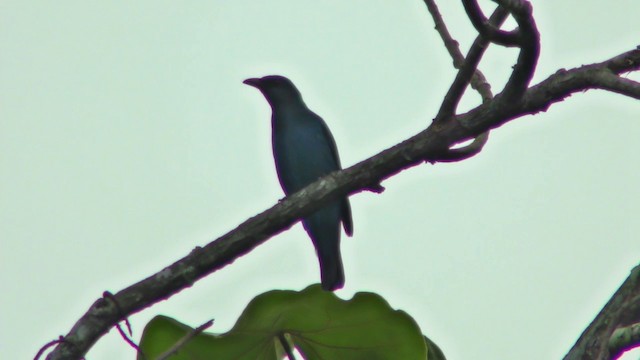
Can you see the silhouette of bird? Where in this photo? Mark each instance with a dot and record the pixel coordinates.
(304, 150)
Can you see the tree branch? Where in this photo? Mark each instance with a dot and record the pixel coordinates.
(463, 153)
(614, 83)
(468, 74)
(478, 81)
(490, 32)
(435, 140)
(622, 309)
(529, 43)
(468, 68)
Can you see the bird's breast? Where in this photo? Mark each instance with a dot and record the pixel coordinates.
(302, 155)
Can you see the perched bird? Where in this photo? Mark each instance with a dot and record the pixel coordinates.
(304, 150)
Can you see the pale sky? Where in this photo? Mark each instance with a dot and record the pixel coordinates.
(127, 138)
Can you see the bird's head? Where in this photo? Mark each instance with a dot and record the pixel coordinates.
(276, 88)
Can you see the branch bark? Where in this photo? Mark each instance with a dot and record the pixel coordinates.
(432, 144)
(623, 309)
(468, 69)
(529, 43)
(487, 30)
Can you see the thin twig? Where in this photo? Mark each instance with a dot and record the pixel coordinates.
(48, 345)
(285, 345)
(487, 30)
(126, 338)
(462, 153)
(478, 81)
(464, 76)
(184, 340)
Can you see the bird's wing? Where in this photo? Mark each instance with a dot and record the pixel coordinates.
(345, 207)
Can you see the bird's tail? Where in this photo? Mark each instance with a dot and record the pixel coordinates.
(331, 271)
(323, 227)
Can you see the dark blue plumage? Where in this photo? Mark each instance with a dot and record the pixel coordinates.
(304, 151)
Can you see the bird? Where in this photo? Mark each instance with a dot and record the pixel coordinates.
(304, 151)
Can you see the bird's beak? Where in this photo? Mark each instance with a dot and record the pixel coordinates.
(255, 82)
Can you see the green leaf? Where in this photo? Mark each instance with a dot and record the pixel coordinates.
(317, 323)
